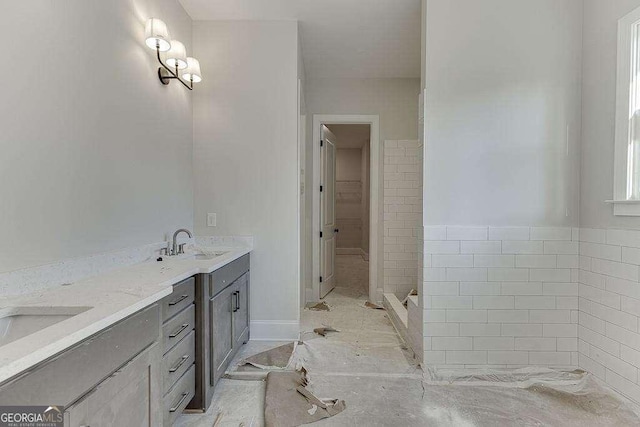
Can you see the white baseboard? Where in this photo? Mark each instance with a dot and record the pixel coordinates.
(274, 330)
(308, 295)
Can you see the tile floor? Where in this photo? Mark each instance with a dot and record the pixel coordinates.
(366, 365)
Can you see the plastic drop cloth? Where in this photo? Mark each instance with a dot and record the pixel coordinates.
(527, 397)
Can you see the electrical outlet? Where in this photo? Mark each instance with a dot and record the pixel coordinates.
(211, 220)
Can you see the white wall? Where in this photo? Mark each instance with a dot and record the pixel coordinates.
(598, 112)
(95, 154)
(245, 156)
(349, 164)
(502, 149)
(302, 141)
(394, 100)
(503, 93)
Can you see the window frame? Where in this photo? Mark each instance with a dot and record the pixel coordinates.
(623, 203)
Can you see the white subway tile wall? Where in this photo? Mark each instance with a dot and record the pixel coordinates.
(522, 296)
(504, 296)
(402, 216)
(609, 307)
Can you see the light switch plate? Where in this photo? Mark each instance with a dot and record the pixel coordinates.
(211, 220)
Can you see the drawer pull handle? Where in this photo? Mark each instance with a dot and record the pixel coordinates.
(179, 331)
(180, 363)
(238, 301)
(175, 408)
(234, 302)
(179, 300)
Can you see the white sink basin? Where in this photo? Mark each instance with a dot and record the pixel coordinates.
(18, 322)
(210, 256)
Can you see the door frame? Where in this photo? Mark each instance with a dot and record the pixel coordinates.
(374, 186)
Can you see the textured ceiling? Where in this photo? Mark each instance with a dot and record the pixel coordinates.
(340, 38)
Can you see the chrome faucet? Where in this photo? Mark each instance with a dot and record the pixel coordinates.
(179, 249)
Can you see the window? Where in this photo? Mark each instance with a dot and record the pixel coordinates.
(627, 142)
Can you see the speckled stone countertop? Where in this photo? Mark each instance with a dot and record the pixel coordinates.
(112, 297)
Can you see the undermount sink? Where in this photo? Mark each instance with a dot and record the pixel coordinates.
(18, 322)
(211, 255)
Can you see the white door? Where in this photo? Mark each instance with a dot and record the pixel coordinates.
(327, 213)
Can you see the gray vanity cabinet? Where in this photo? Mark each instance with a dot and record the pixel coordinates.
(140, 371)
(228, 314)
(98, 365)
(129, 397)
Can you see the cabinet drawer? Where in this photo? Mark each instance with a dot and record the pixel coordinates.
(179, 396)
(178, 360)
(228, 274)
(178, 327)
(183, 295)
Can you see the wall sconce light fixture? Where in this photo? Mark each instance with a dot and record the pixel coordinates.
(177, 61)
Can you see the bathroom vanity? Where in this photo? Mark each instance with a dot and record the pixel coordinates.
(148, 366)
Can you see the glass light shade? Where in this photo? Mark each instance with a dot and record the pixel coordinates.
(177, 55)
(157, 34)
(192, 72)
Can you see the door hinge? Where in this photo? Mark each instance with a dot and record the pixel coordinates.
(321, 187)
(320, 279)
(321, 143)
(321, 234)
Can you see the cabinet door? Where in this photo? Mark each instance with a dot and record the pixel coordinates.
(128, 398)
(241, 312)
(221, 324)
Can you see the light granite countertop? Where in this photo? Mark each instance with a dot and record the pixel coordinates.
(112, 297)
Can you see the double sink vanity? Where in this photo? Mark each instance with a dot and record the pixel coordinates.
(136, 346)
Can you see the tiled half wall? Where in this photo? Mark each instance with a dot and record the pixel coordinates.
(532, 296)
(609, 329)
(503, 297)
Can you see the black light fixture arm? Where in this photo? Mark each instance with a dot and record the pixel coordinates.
(166, 74)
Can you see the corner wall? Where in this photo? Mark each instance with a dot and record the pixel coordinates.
(501, 182)
(609, 329)
(246, 157)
